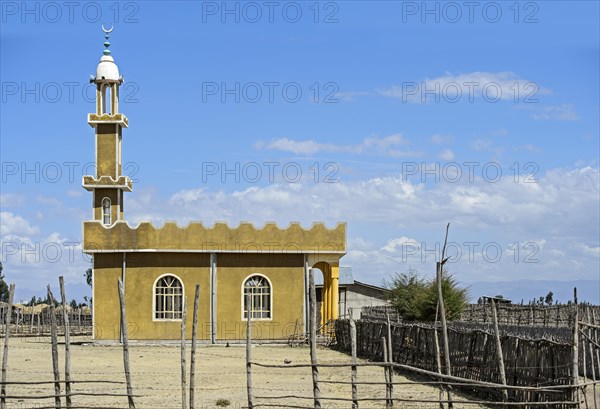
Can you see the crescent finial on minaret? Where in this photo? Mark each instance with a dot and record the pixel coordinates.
(107, 35)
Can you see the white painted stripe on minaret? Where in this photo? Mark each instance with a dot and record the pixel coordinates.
(213, 297)
(305, 298)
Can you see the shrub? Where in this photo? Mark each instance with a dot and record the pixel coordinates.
(415, 298)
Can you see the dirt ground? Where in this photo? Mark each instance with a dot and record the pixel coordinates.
(220, 375)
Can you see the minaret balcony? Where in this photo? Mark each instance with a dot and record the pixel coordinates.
(118, 119)
(107, 182)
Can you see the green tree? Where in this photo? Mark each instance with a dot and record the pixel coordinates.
(549, 298)
(416, 298)
(455, 299)
(407, 294)
(88, 277)
(4, 291)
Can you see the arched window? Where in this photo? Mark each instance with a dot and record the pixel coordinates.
(168, 298)
(106, 211)
(257, 298)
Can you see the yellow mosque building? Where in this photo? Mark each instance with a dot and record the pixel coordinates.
(241, 270)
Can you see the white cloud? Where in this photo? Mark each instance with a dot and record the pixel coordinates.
(446, 155)
(11, 200)
(351, 96)
(478, 85)
(564, 112)
(11, 224)
(75, 192)
(561, 208)
(387, 146)
(440, 139)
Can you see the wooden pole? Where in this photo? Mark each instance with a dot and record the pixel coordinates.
(125, 345)
(597, 353)
(438, 359)
(584, 353)
(386, 373)
(54, 338)
(593, 365)
(11, 296)
(390, 359)
(353, 367)
(193, 353)
(313, 339)
(499, 350)
(249, 360)
(67, 330)
(183, 364)
(439, 273)
(575, 365)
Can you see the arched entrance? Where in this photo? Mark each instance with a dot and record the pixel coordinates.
(330, 293)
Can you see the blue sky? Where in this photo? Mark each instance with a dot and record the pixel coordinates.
(393, 116)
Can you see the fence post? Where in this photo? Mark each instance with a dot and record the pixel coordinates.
(592, 339)
(125, 345)
(499, 350)
(438, 359)
(439, 278)
(249, 360)
(575, 367)
(390, 358)
(54, 337)
(67, 328)
(597, 349)
(7, 314)
(193, 352)
(313, 338)
(353, 367)
(386, 373)
(183, 375)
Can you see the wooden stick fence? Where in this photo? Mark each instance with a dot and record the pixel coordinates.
(56, 382)
(36, 321)
(397, 346)
(5, 353)
(67, 343)
(474, 359)
(54, 339)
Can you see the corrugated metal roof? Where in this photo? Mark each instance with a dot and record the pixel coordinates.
(345, 277)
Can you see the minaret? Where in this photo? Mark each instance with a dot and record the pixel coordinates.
(108, 184)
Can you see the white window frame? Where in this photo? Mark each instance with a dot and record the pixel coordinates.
(154, 298)
(109, 214)
(243, 293)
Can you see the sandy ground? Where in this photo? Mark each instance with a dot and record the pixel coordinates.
(221, 374)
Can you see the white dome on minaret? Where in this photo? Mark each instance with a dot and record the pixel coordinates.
(107, 70)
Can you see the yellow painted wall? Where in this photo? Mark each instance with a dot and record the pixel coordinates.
(286, 274)
(106, 150)
(107, 270)
(142, 271)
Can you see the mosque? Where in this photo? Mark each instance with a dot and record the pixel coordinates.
(261, 271)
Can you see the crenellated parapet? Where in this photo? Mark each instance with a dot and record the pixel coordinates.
(105, 118)
(195, 237)
(107, 182)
